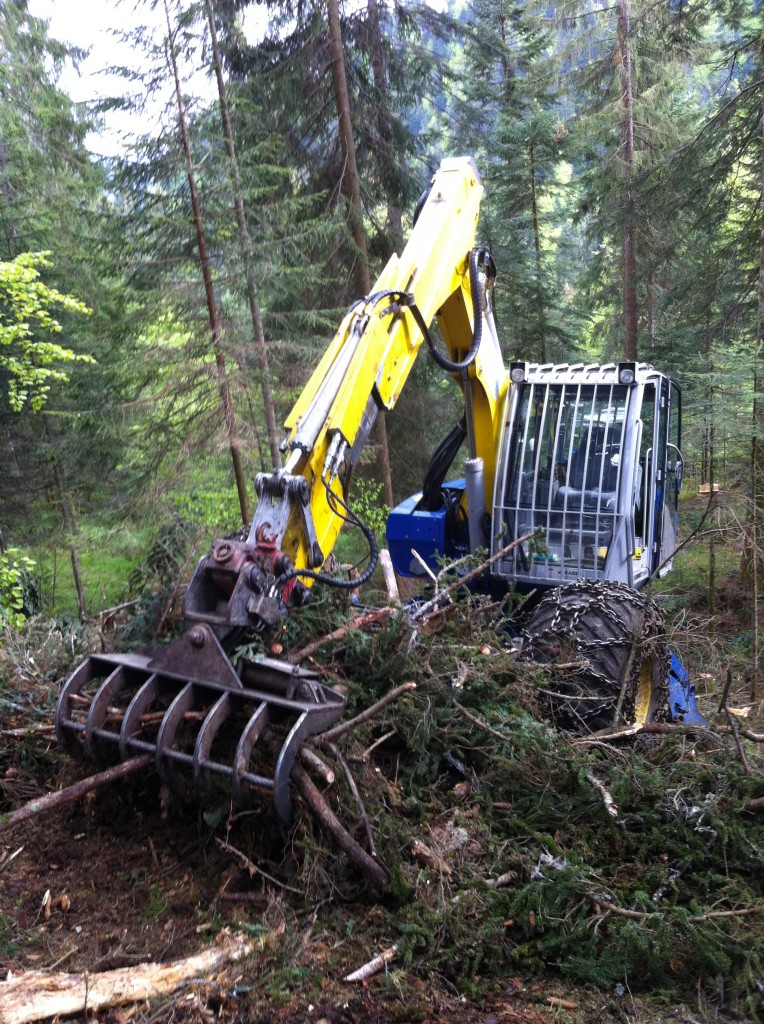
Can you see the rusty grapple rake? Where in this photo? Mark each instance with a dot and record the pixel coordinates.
(201, 719)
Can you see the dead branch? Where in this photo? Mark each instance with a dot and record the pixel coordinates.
(738, 742)
(652, 729)
(640, 915)
(754, 737)
(498, 883)
(749, 734)
(714, 914)
(374, 965)
(388, 574)
(339, 730)
(481, 724)
(174, 593)
(260, 899)
(357, 623)
(106, 613)
(32, 730)
(77, 790)
(634, 915)
(36, 995)
(756, 803)
(253, 869)
(421, 851)
(311, 759)
(356, 796)
(610, 805)
(373, 869)
(364, 758)
(725, 691)
(432, 605)
(563, 1004)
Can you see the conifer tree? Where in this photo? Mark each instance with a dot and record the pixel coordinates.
(507, 113)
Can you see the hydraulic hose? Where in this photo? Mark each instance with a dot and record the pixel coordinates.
(334, 581)
(479, 257)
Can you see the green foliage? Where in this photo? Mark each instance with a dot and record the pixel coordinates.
(19, 588)
(368, 505)
(26, 358)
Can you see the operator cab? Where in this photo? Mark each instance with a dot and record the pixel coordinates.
(591, 456)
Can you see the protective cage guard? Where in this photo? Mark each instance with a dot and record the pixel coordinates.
(198, 716)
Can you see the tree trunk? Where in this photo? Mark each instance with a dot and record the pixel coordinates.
(246, 247)
(757, 448)
(623, 56)
(67, 514)
(712, 533)
(204, 261)
(351, 186)
(384, 132)
(537, 249)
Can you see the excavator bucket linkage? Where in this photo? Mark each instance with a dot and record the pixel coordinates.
(187, 705)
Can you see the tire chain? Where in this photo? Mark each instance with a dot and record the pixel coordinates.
(583, 597)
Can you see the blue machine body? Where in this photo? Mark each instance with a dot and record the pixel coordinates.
(682, 703)
(428, 533)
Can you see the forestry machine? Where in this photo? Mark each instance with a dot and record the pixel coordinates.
(570, 484)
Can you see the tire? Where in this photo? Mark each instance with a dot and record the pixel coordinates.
(588, 629)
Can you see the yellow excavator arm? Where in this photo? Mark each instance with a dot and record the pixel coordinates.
(302, 507)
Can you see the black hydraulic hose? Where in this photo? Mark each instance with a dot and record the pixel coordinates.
(334, 581)
(478, 257)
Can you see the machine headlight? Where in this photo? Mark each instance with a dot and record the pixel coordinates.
(517, 372)
(626, 373)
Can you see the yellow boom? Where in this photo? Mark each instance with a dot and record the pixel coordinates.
(369, 359)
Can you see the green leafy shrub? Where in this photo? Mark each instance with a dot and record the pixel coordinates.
(368, 505)
(20, 591)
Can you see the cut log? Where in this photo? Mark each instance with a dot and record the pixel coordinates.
(39, 994)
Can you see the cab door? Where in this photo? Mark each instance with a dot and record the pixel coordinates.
(673, 474)
(659, 477)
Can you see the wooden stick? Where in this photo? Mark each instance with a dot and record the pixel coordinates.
(480, 724)
(373, 966)
(357, 623)
(36, 995)
(738, 742)
(651, 728)
(253, 869)
(32, 730)
(421, 851)
(640, 915)
(563, 1004)
(447, 591)
(312, 760)
(106, 612)
(357, 797)
(364, 758)
(77, 790)
(339, 730)
(610, 805)
(388, 574)
(373, 869)
(498, 883)
(725, 691)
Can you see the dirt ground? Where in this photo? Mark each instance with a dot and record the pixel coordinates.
(120, 879)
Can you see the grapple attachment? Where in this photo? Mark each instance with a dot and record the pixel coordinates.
(187, 705)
